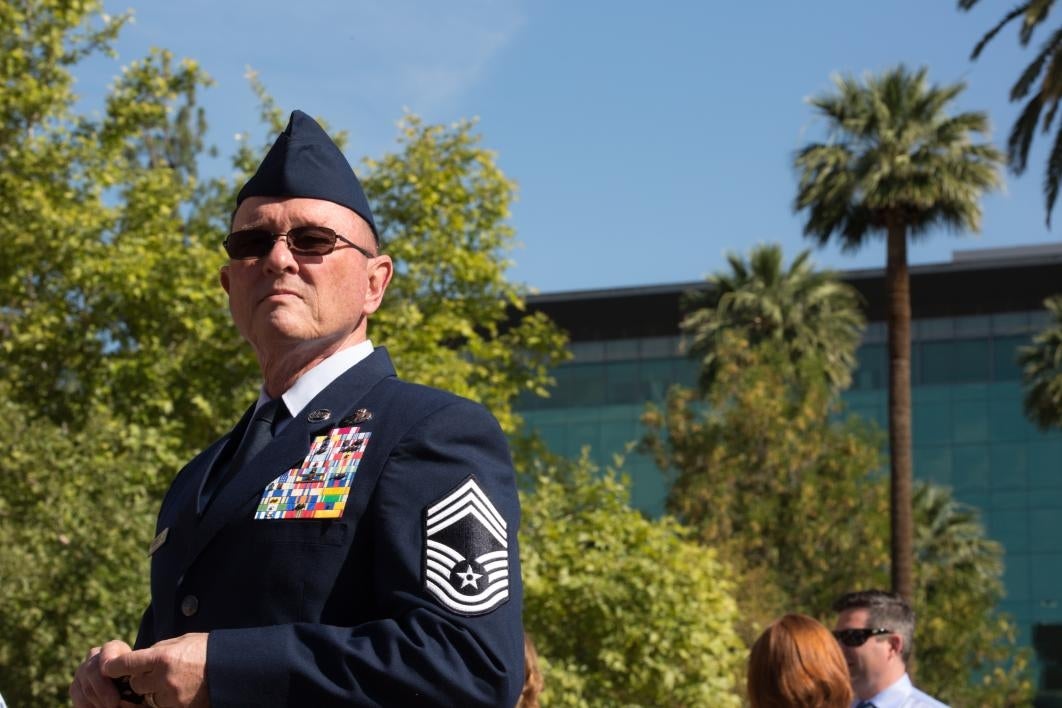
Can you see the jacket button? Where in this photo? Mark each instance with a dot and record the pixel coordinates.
(189, 605)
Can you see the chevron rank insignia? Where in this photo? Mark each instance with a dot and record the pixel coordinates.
(466, 551)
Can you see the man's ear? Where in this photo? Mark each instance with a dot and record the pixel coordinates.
(896, 644)
(223, 276)
(380, 270)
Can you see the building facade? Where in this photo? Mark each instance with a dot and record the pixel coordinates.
(969, 317)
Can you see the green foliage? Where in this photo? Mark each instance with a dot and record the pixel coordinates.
(762, 473)
(1042, 370)
(967, 653)
(624, 610)
(108, 289)
(893, 158)
(443, 206)
(77, 502)
(767, 472)
(809, 312)
(1043, 78)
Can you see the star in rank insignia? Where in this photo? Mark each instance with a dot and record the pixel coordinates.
(466, 551)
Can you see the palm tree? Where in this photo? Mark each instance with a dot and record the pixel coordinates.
(810, 313)
(1043, 78)
(1042, 370)
(895, 165)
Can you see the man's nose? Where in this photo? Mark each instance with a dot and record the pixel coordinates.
(280, 257)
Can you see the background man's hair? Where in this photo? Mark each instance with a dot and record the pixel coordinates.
(885, 609)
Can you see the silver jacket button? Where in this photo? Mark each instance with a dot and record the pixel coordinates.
(189, 605)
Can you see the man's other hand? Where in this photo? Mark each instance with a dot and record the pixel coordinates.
(171, 674)
(91, 688)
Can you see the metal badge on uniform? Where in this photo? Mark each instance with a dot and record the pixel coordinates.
(466, 551)
(318, 416)
(362, 415)
(318, 487)
(157, 542)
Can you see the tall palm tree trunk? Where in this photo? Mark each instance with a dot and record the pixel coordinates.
(897, 283)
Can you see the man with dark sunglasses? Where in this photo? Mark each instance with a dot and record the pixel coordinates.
(876, 632)
(352, 540)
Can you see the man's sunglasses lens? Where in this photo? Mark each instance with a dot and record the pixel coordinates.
(857, 637)
(304, 241)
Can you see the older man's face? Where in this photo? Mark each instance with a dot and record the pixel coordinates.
(283, 302)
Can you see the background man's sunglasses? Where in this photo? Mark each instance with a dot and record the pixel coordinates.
(858, 637)
(302, 241)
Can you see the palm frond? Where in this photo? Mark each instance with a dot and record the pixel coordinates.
(809, 313)
(1053, 176)
(1028, 77)
(1034, 15)
(1015, 13)
(1021, 134)
(1041, 363)
(894, 154)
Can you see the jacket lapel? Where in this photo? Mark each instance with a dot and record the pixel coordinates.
(291, 446)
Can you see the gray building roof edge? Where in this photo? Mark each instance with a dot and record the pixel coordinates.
(999, 260)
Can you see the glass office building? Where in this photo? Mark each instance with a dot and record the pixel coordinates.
(969, 317)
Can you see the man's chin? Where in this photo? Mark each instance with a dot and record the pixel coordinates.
(279, 330)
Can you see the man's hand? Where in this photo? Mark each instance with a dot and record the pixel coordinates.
(170, 674)
(91, 688)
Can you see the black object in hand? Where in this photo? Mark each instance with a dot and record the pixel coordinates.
(126, 692)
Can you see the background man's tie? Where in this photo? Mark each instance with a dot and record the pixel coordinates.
(258, 434)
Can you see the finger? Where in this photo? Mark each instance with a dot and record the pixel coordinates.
(145, 683)
(113, 649)
(130, 663)
(95, 688)
(78, 697)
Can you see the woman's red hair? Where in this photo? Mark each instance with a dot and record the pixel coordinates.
(796, 663)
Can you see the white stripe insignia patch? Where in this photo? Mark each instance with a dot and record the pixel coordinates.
(466, 551)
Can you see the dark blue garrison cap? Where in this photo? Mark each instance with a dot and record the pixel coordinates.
(304, 162)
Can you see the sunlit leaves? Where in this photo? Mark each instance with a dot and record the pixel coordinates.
(1042, 370)
(625, 611)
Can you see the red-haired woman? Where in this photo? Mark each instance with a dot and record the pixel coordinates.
(796, 663)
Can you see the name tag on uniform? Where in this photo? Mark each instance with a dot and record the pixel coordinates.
(318, 487)
(157, 542)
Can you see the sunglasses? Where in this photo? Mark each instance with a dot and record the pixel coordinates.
(858, 637)
(302, 241)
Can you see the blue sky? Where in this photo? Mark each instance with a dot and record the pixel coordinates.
(648, 140)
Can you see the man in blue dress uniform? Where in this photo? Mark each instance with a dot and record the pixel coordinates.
(352, 540)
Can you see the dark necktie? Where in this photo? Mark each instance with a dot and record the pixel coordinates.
(259, 433)
(866, 704)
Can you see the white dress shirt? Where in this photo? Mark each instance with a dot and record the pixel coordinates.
(316, 380)
(901, 694)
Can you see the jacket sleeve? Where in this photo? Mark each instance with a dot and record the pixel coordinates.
(147, 629)
(421, 650)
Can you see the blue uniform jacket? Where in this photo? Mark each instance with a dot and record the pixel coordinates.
(376, 607)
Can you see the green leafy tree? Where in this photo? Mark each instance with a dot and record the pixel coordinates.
(623, 610)
(77, 505)
(967, 650)
(443, 205)
(119, 358)
(764, 474)
(809, 312)
(897, 165)
(1042, 370)
(768, 473)
(1039, 85)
